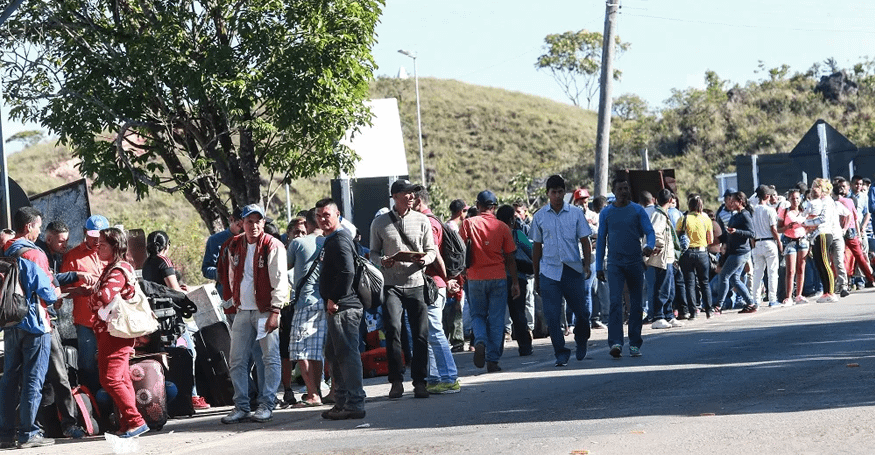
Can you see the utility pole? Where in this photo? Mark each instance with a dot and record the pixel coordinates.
(603, 133)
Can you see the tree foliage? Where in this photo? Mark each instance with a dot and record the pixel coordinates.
(202, 97)
(27, 138)
(574, 59)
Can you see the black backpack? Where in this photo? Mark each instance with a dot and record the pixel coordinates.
(452, 250)
(13, 303)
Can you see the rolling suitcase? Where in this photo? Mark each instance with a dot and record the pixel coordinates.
(212, 367)
(181, 374)
(147, 375)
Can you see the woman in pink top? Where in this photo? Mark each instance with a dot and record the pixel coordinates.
(795, 246)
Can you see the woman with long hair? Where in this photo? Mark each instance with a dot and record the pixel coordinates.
(791, 224)
(695, 262)
(739, 231)
(823, 220)
(113, 353)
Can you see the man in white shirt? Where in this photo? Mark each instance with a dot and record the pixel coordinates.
(767, 247)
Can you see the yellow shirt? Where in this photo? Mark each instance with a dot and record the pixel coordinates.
(698, 229)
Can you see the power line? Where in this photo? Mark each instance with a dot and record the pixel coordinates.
(749, 26)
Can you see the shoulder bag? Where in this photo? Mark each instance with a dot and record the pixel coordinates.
(133, 317)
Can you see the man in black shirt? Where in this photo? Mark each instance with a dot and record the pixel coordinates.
(344, 315)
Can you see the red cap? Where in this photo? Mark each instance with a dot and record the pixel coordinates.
(581, 193)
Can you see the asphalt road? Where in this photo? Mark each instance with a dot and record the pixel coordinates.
(780, 381)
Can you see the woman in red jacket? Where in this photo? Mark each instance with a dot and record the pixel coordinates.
(113, 353)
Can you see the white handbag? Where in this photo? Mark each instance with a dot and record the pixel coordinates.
(133, 318)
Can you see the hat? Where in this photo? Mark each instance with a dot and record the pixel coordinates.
(250, 209)
(581, 193)
(729, 192)
(404, 186)
(94, 224)
(487, 198)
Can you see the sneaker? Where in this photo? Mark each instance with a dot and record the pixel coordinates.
(827, 298)
(775, 304)
(617, 351)
(660, 324)
(676, 323)
(262, 414)
(800, 299)
(443, 388)
(787, 302)
(199, 403)
(748, 309)
(420, 391)
(397, 390)
(135, 432)
(845, 292)
(38, 440)
(479, 354)
(598, 325)
(74, 432)
(634, 351)
(492, 367)
(236, 416)
(342, 414)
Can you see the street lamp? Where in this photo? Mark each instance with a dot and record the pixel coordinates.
(418, 114)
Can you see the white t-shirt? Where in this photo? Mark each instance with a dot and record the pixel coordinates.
(247, 284)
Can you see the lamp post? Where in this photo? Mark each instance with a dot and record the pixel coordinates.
(418, 114)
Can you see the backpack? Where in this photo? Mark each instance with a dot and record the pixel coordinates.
(13, 303)
(452, 250)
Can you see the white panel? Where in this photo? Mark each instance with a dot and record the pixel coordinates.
(381, 145)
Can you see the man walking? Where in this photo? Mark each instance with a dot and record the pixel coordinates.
(492, 261)
(252, 270)
(404, 230)
(560, 233)
(663, 263)
(344, 315)
(621, 227)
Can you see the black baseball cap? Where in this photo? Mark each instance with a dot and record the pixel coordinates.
(404, 186)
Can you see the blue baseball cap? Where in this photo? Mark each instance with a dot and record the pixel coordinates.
(250, 209)
(487, 198)
(94, 224)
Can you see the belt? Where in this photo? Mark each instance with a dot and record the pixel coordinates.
(767, 238)
(698, 248)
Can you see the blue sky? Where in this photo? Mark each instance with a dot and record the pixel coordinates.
(673, 42)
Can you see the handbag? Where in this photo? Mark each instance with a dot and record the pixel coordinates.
(133, 317)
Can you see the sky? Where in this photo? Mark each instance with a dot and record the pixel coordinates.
(673, 42)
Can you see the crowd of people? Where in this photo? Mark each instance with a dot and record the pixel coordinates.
(290, 299)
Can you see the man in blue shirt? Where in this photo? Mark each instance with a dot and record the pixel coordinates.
(558, 231)
(621, 227)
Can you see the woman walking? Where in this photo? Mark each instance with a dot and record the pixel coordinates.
(113, 354)
(737, 235)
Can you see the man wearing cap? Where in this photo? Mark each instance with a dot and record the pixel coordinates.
(403, 229)
(252, 271)
(561, 260)
(492, 261)
(83, 260)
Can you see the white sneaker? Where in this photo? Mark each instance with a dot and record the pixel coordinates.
(675, 323)
(825, 298)
(788, 302)
(661, 324)
(262, 414)
(800, 299)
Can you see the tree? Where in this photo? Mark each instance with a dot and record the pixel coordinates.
(201, 97)
(574, 59)
(27, 138)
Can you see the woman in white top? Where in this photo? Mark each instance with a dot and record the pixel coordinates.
(824, 222)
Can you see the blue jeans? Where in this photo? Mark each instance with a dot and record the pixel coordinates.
(618, 276)
(588, 291)
(730, 277)
(488, 300)
(87, 343)
(441, 366)
(243, 333)
(26, 363)
(342, 353)
(571, 286)
(662, 295)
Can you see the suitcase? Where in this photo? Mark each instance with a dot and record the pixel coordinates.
(375, 363)
(147, 375)
(181, 374)
(212, 367)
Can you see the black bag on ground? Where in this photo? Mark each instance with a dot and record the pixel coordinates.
(212, 367)
(181, 374)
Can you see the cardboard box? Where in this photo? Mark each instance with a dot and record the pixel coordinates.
(206, 297)
(209, 317)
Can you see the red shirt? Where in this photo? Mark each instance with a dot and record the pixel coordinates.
(490, 241)
(437, 231)
(81, 259)
(113, 282)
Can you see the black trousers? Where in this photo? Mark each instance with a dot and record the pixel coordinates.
(517, 309)
(411, 300)
(56, 376)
